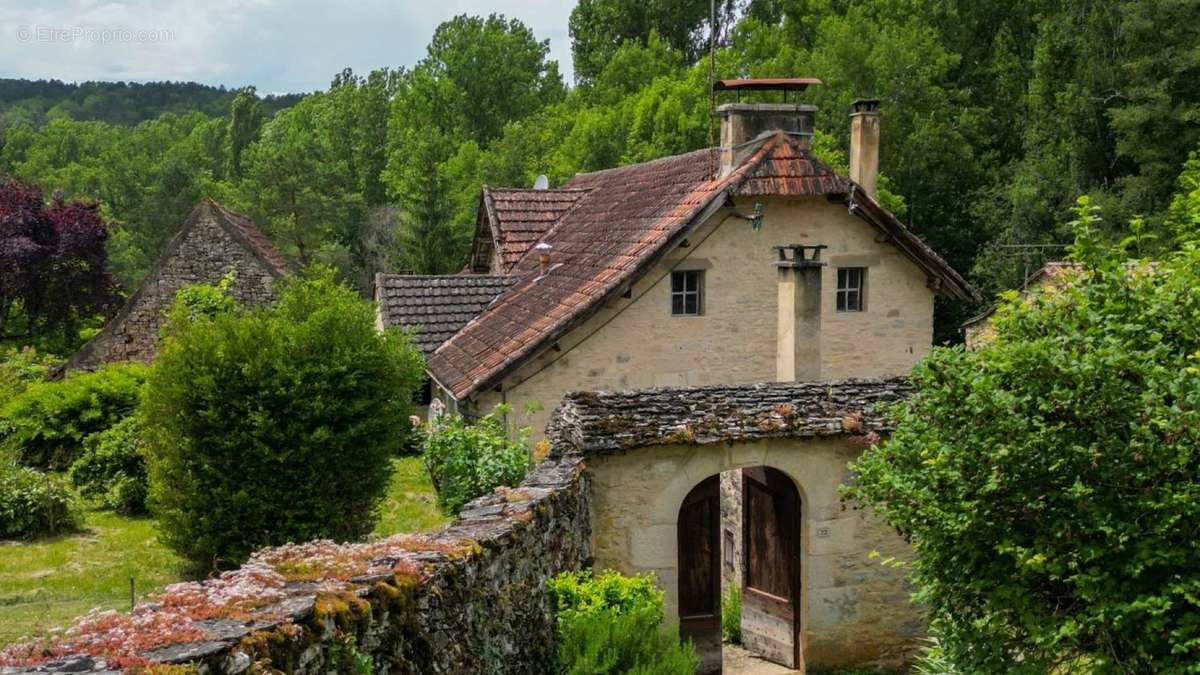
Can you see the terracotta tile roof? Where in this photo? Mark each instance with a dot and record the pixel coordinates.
(520, 217)
(436, 306)
(627, 219)
(251, 237)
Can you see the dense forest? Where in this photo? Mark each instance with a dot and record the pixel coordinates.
(997, 116)
(36, 102)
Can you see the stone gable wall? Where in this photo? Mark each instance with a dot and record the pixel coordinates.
(206, 255)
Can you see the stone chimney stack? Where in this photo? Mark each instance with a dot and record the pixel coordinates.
(864, 144)
(798, 334)
(742, 123)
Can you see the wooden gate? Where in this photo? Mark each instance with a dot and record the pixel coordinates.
(700, 573)
(771, 565)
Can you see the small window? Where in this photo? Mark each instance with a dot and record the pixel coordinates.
(851, 286)
(686, 293)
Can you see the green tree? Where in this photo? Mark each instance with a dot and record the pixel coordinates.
(1047, 480)
(246, 117)
(276, 424)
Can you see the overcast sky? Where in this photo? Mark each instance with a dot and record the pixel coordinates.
(277, 45)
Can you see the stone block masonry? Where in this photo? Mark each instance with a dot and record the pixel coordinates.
(468, 599)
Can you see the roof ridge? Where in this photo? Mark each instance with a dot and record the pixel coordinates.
(625, 167)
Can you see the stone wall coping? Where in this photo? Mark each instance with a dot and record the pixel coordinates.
(599, 422)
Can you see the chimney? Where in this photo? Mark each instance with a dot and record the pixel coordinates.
(742, 123)
(798, 333)
(864, 144)
(543, 250)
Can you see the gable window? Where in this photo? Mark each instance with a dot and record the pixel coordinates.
(851, 287)
(686, 292)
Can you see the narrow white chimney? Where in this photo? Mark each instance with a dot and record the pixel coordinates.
(864, 144)
(543, 250)
(798, 334)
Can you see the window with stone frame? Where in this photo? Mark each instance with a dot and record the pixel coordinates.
(687, 293)
(851, 289)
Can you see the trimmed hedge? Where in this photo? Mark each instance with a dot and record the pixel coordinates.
(275, 425)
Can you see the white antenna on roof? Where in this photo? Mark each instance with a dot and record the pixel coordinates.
(541, 183)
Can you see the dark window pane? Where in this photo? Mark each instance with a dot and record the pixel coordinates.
(690, 304)
(841, 301)
(677, 281)
(677, 304)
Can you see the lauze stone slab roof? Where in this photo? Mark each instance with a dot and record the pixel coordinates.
(598, 422)
(623, 222)
(436, 307)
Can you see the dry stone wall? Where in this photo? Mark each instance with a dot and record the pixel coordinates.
(468, 599)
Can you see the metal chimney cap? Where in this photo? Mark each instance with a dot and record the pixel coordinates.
(864, 105)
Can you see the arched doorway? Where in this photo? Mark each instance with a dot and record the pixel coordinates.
(770, 567)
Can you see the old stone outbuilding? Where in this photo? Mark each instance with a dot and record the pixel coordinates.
(213, 242)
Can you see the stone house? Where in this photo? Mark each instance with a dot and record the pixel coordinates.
(978, 329)
(212, 242)
(751, 262)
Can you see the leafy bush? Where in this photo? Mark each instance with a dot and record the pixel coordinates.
(731, 616)
(467, 461)
(612, 624)
(48, 422)
(1048, 480)
(33, 504)
(20, 368)
(112, 470)
(275, 424)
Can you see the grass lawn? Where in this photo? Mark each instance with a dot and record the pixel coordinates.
(410, 505)
(49, 582)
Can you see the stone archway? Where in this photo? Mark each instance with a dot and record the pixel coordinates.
(769, 579)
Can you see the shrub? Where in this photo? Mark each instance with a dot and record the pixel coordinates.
(48, 422)
(276, 424)
(1048, 480)
(467, 461)
(33, 504)
(112, 470)
(731, 616)
(612, 624)
(21, 368)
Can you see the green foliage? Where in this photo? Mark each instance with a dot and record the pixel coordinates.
(20, 368)
(346, 657)
(47, 423)
(731, 615)
(467, 461)
(206, 300)
(612, 624)
(932, 660)
(33, 503)
(1047, 479)
(112, 468)
(276, 424)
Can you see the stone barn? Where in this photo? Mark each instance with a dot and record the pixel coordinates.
(213, 242)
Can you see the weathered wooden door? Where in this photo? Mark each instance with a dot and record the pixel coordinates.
(700, 573)
(771, 565)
